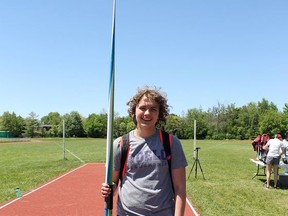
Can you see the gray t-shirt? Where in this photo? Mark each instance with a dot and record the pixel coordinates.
(146, 187)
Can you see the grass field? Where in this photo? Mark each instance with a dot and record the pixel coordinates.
(228, 188)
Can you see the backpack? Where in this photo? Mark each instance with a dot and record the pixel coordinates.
(166, 140)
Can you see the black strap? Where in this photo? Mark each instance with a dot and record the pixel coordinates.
(124, 150)
(167, 149)
(166, 144)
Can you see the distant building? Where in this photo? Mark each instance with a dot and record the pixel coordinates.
(5, 134)
(46, 127)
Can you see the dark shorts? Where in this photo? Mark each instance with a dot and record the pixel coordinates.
(273, 160)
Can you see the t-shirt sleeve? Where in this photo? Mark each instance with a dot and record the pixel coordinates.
(116, 154)
(178, 155)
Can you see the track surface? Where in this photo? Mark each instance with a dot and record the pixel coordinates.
(76, 193)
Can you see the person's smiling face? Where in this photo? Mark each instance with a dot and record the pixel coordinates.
(147, 112)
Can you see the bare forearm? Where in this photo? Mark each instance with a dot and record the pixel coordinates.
(180, 202)
(179, 183)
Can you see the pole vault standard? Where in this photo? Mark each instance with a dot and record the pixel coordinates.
(64, 143)
(108, 203)
(195, 144)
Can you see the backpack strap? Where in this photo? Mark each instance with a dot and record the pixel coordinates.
(166, 140)
(125, 148)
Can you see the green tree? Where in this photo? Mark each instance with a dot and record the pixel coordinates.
(174, 125)
(216, 118)
(122, 125)
(247, 125)
(32, 125)
(74, 125)
(130, 125)
(264, 106)
(285, 109)
(273, 122)
(14, 124)
(95, 125)
(54, 120)
(186, 124)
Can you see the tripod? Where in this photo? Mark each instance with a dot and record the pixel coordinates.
(196, 162)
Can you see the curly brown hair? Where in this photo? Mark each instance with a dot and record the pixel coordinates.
(154, 94)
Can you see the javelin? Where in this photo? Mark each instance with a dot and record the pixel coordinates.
(109, 145)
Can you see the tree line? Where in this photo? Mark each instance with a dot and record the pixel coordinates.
(219, 122)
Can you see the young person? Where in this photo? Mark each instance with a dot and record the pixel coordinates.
(285, 142)
(275, 148)
(147, 187)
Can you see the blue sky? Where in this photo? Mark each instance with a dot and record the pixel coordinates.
(55, 55)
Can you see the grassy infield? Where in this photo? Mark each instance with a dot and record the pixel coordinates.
(228, 189)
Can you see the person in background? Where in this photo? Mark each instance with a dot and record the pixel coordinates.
(285, 159)
(146, 187)
(275, 148)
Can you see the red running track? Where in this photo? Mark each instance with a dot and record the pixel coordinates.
(76, 193)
